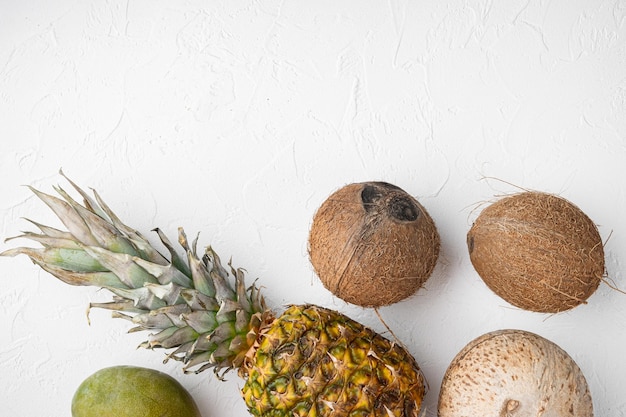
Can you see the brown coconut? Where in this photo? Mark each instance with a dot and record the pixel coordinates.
(514, 373)
(537, 251)
(372, 244)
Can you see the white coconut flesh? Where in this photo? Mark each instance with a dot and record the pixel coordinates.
(514, 373)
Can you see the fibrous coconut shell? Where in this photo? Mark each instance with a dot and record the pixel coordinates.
(537, 251)
(514, 373)
(372, 244)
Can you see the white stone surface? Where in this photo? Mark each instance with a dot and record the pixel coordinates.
(237, 118)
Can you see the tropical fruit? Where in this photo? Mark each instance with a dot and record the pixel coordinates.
(514, 373)
(132, 391)
(305, 361)
(373, 244)
(537, 251)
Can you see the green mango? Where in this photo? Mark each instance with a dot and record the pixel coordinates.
(131, 391)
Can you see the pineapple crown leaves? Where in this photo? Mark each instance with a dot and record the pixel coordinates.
(190, 304)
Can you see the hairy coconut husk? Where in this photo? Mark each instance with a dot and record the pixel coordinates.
(514, 373)
(372, 244)
(537, 251)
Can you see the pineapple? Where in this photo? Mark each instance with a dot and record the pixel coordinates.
(307, 361)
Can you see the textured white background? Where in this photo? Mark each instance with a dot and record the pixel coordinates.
(238, 118)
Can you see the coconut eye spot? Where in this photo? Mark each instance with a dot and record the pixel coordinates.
(369, 196)
(403, 209)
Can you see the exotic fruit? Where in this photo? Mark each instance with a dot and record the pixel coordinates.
(537, 251)
(132, 391)
(372, 244)
(514, 373)
(307, 361)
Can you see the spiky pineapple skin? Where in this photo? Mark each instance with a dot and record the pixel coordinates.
(313, 361)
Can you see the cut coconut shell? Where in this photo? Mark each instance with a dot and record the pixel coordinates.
(537, 251)
(514, 373)
(372, 244)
